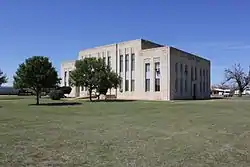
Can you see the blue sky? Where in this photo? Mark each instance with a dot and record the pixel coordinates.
(217, 30)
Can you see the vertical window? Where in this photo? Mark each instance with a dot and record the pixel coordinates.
(104, 60)
(147, 77)
(98, 55)
(121, 63)
(181, 79)
(132, 62)
(109, 61)
(200, 74)
(200, 86)
(186, 90)
(176, 79)
(132, 85)
(109, 58)
(126, 62)
(176, 85)
(181, 69)
(204, 86)
(192, 73)
(176, 68)
(200, 80)
(126, 85)
(121, 85)
(186, 74)
(103, 54)
(181, 86)
(69, 82)
(195, 73)
(65, 78)
(207, 79)
(157, 76)
(186, 70)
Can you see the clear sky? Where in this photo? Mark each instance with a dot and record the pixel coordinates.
(215, 29)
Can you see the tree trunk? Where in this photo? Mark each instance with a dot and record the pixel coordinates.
(37, 98)
(90, 94)
(240, 93)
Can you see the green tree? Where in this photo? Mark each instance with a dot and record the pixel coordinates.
(95, 75)
(108, 80)
(3, 78)
(85, 74)
(36, 73)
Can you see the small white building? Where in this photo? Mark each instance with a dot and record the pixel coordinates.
(149, 71)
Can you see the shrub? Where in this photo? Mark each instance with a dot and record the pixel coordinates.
(65, 89)
(56, 94)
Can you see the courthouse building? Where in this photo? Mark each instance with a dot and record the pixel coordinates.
(149, 71)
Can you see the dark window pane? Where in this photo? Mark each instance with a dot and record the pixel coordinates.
(126, 63)
(121, 63)
(126, 85)
(132, 85)
(132, 62)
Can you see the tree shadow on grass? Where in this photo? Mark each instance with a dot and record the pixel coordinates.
(58, 104)
(111, 100)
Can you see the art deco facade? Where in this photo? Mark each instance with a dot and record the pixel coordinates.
(149, 71)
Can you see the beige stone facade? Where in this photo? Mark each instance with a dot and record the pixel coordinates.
(149, 71)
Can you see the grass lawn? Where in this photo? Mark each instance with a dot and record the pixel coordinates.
(137, 133)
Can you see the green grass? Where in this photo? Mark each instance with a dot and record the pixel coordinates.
(183, 133)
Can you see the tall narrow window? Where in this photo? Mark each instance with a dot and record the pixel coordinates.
(176, 85)
(186, 71)
(181, 86)
(147, 77)
(126, 62)
(121, 63)
(132, 85)
(132, 62)
(195, 73)
(186, 74)
(121, 85)
(109, 58)
(204, 86)
(207, 83)
(126, 85)
(192, 73)
(200, 80)
(65, 78)
(200, 87)
(176, 68)
(157, 76)
(104, 60)
(181, 79)
(69, 79)
(181, 69)
(186, 90)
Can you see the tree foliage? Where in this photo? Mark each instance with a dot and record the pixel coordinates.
(238, 76)
(95, 75)
(36, 73)
(3, 78)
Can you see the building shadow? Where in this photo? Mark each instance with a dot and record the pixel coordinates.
(58, 104)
